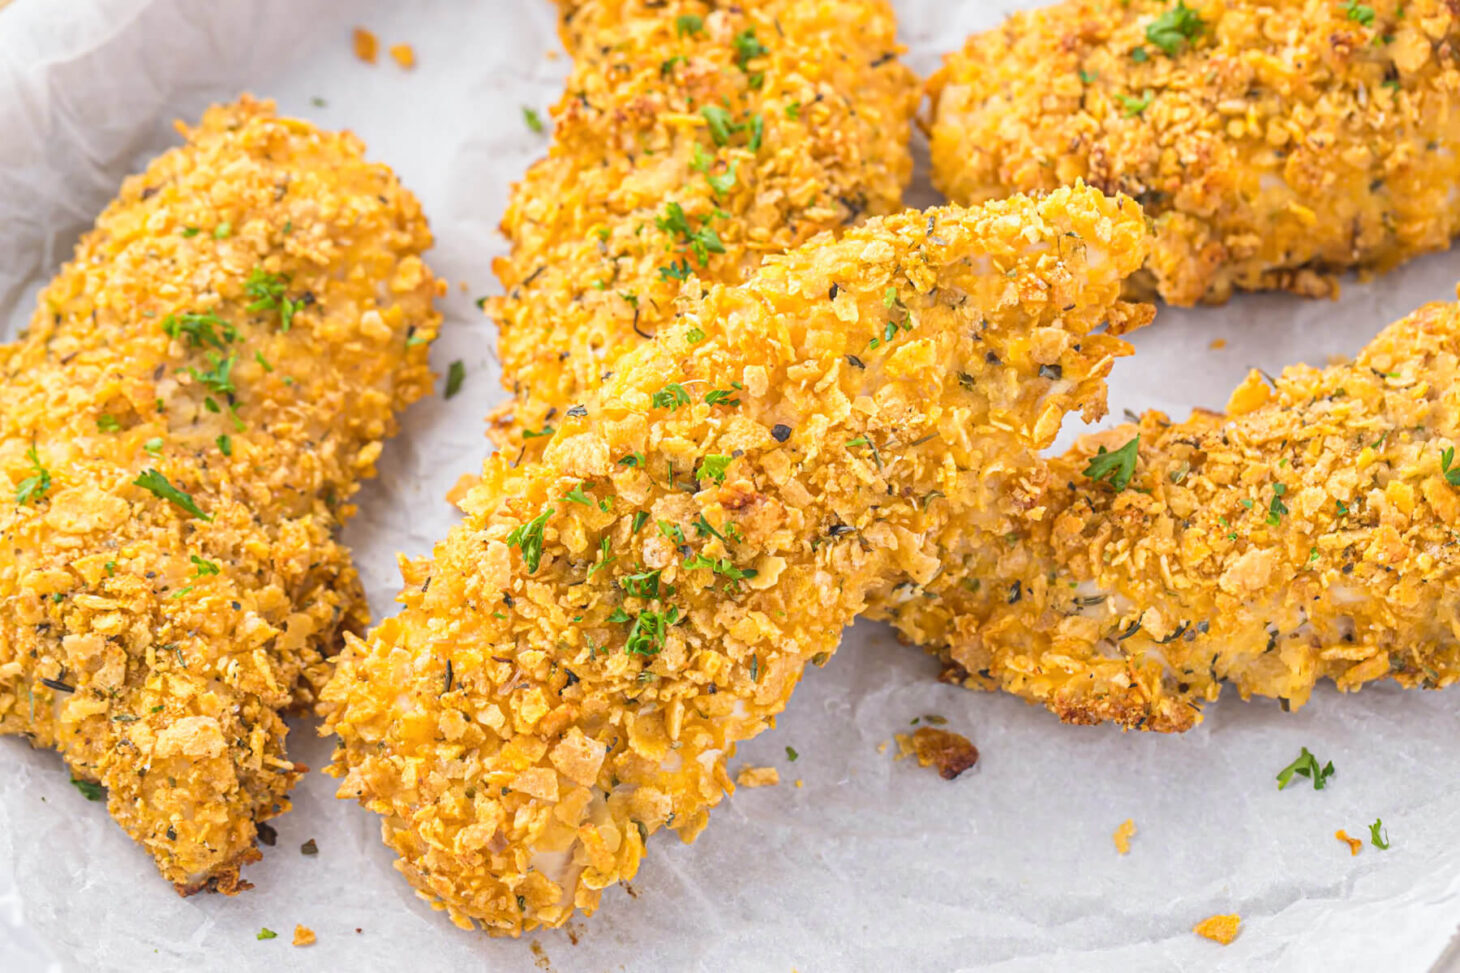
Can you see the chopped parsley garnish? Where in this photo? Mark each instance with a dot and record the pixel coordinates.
(725, 397)
(1087, 77)
(1133, 106)
(701, 242)
(721, 127)
(35, 486)
(219, 378)
(455, 375)
(747, 48)
(206, 328)
(225, 444)
(703, 528)
(1360, 13)
(576, 495)
(223, 230)
(107, 423)
(713, 467)
(671, 531)
(1306, 766)
(640, 518)
(646, 635)
(724, 566)
(1451, 473)
(1115, 468)
(757, 132)
(159, 486)
(268, 293)
(1174, 28)
(154, 445)
(645, 584)
(670, 397)
(635, 458)
(677, 270)
(1374, 839)
(546, 430)
(1139, 55)
(1277, 508)
(90, 790)
(190, 231)
(203, 566)
(532, 119)
(791, 754)
(724, 182)
(694, 336)
(528, 538)
(604, 558)
(267, 933)
(688, 24)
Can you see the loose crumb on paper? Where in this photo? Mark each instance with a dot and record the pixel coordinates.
(367, 48)
(1354, 844)
(1218, 344)
(405, 55)
(1219, 929)
(950, 752)
(303, 936)
(757, 777)
(1123, 835)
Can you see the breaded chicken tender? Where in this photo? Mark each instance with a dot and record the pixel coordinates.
(692, 138)
(1310, 534)
(181, 429)
(1273, 144)
(578, 660)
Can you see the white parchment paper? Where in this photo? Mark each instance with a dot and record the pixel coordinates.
(870, 864)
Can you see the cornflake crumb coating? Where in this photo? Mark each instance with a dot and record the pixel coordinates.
(154, 645)
(1274, 145)
(1309, 534)
(575, 664)
(689, 139)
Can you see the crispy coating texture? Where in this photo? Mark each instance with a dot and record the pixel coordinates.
(1310, 534)
(576, 663)
(152, 646)
(807, 129)
(1275, 145)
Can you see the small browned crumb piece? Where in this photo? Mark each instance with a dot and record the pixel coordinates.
(1218, 344)
(1219, 929)
(405, 56)
(950, 752)
(182, 429)
(757, 777)
(303, 936)
(1272, 145)
(1123, 835)
(367, 48)
(1354, 844)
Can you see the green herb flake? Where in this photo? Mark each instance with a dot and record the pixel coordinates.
(1175, 28)
(199, 329)
(747, 48)
(1115, 468)
(267, 933)
(546, 430)
(532, 119)
(35, 486)
(1306, 766)
(576, 495)
(1360, 13)
(640, 518)
(1132, 106)
(694, 336)
(791, 754)
(688, 24)
(455, 375)
(671, 397)
(158, 484)
(223, 230)
(1447, 468)
(90, 790)
(107, 423)
(1382, 843)
(528, 538)
(721, 127)
(203, 566)
(270, 293)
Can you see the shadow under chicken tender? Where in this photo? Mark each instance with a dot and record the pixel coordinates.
(1310, 534)
(1273, 145)
(181, 429)
(578, 660)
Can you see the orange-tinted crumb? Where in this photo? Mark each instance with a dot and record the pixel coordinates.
(950, 752)
(303, 936)
(800, 782)
(366, 46)
(1123, 835)
(757, 777)
(1354, 844)
(1219, 929)
(1218, 344)
(405, 55)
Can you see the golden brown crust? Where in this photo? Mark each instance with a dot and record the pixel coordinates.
(1275, 145)
(152, 645)
(1311, 534)
(812, 134)
(552, 694)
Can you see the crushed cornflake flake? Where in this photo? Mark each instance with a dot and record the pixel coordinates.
(404, 55)
(1123, 835)
(303, 936)
(950, 752)
(367, 48)
(1219, 929)
(757, 777)
(1354, 844)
